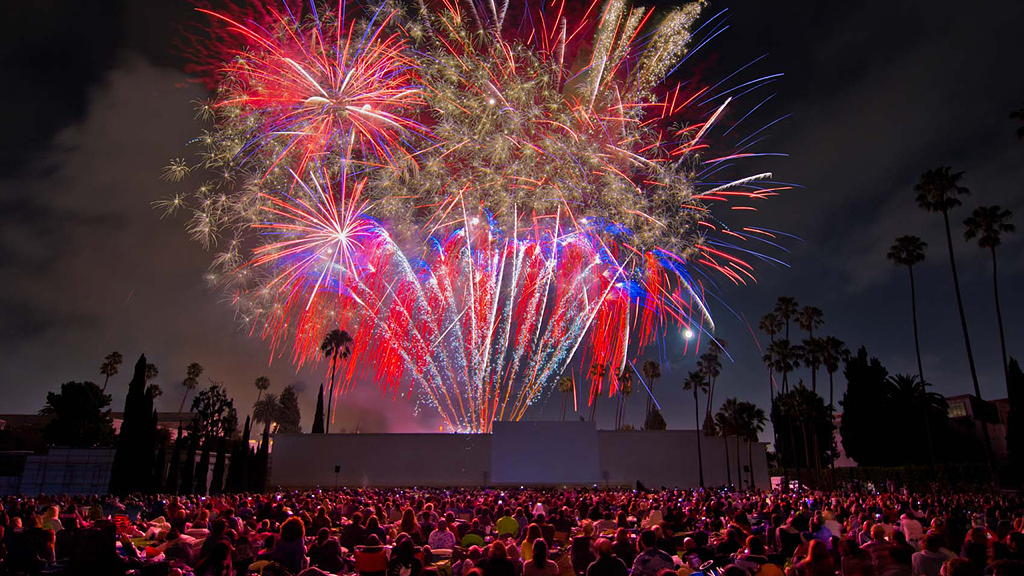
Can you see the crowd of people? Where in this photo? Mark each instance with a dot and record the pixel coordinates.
(524, 532)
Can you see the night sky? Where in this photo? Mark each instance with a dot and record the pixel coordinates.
(94, 104)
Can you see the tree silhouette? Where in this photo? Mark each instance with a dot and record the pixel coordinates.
(625, 382)
(337, 345)
(727, 424)
(771, 325)
(809, 443)
(813, 356)
(318, 418)
(783, 357)
(909, 251)
(80, 416)
(110, 367)
(786, 309)
(810, 318)
(651, 371)
(988, 224)
(598, 372)
(710, 365)
(192, 373)
(834, 352)
(289, 416)
(696, 382)
(266, 410)
(750, 421)
(565, 388)
(262, 383)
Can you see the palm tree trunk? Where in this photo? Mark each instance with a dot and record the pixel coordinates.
(700, 432)
(913, 313)
(728, 462)
(814, 379)
(739, 467)
(330, 394)
(999, 319)
(107, 378)
(565, 399)
(750, 462)
(967, 340)
(831, 391)
(181, 408)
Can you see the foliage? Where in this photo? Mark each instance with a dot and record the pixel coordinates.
(289, 416)
(1015, 420)
(215, 415)
(110, 367)
(655, 421)
(81, 416)
(804, 427)
(862, 430)
(266, 409)
(907, 251)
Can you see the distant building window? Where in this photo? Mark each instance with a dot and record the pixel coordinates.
(958, 410)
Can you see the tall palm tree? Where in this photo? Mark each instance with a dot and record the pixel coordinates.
(909, 251)
(652, 371)
(813, 357)
(750, 423)
(110, 367)
(834, 351)
(771, 325)
(565, 387)
(810, 318)
(710, 365)
(625, 381)
(598, 372)
(262, 383)
(727, 423)
(696, 382)
(988, 224)
(192, 373)
(266, 409)
(783, 358)
(786, 309)
(337, 345)
(938, 191)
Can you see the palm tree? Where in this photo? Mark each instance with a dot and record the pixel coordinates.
(783, 358)
(988, 224)
(696, 382)
(565, 386)
(625, 381)
(771, 325)
(813, 357)
(809, 318)
(786, 309)
(192, 373)
(652, 371)
(909, 251)
(911, 392)
(834, 351)
(337, 345)
(750, 421)
(262, 383)
(110, 367)
(598, 372)
(266, 409)
(710, 365)
(938, 191)
(726, 421)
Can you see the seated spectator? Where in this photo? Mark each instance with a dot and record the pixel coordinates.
(403, 558)
(441, 538)
(818, 562)
(371, 559)
(650, 560)
(607, 563)
(289, 547)
(325, 552)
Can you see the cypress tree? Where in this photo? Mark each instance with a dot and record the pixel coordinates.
(318, 419)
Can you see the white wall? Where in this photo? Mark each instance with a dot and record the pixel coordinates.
(655, 458)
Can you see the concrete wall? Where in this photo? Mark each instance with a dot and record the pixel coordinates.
(655, 458)
(308, 460)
